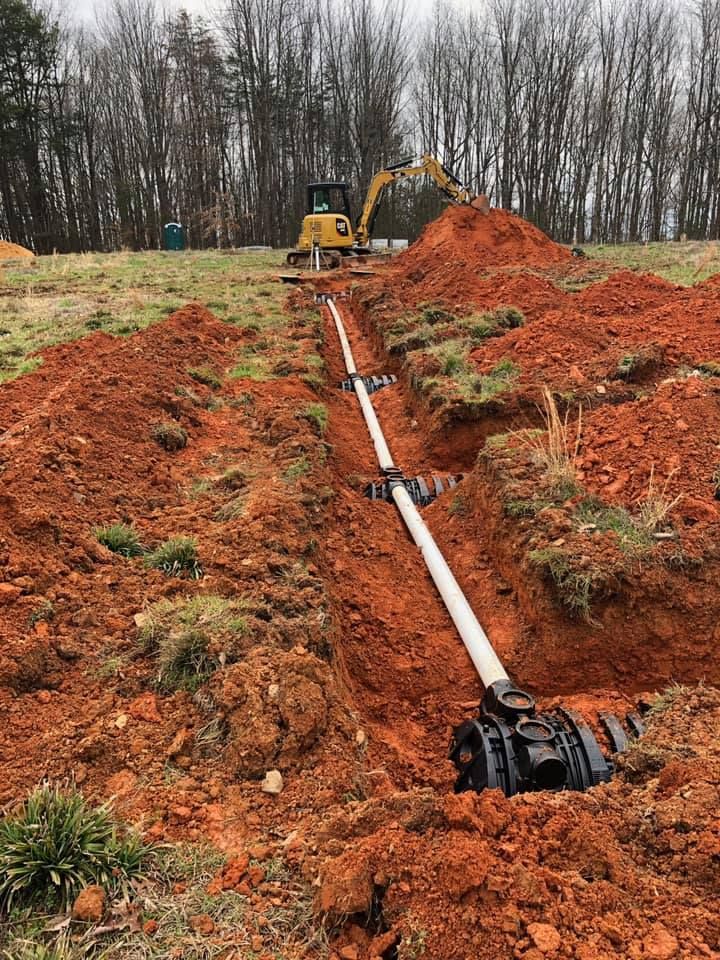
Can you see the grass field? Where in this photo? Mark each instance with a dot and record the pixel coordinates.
(58, 298)
(685, 263)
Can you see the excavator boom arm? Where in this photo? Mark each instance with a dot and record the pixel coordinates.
(426, 165)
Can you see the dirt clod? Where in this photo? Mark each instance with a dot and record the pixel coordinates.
(89, 905)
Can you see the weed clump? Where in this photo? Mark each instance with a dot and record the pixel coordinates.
(500, 379)
(510, 318)
(55, 844)
(432, 313)
(632, 535)
(234, 478)
(191, 638)
(205, 375)
(170, 436)
(710, 367)
(232, 509)
(120, 538)
(317, 415)
(45, 611)
(655, 507)
(576, 585)
(176, 557)
(297, 469)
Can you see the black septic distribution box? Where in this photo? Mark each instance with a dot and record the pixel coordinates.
(173, 236)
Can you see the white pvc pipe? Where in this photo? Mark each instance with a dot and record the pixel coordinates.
(484, 658)
(381, 448)
(486, 661)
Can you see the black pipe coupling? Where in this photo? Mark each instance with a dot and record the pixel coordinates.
(512, 748)
(422, 492)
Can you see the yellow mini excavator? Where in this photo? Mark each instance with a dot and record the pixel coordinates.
(327, 234)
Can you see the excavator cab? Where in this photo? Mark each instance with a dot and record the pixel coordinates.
(328, 198)
(327, 222)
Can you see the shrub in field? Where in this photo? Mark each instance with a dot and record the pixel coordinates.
(55, 844)
(170, 436)
(120, 538)
(191, 638)
(176, 557)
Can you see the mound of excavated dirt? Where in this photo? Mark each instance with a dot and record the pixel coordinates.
(671, 434)
(13, 251)
(463, 237)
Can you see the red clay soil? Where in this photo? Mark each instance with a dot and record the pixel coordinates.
(671, 436)
(77, 691)
(350, 676)
(461, 236)
(581, 344)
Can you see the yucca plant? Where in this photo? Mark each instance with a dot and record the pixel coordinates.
(176, 557)
(120, 538)
(27, 950)
(55, 844)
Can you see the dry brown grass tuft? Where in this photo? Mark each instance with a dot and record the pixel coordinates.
(556, 449)
(656, 506)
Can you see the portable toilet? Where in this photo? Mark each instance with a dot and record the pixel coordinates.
(173, 236)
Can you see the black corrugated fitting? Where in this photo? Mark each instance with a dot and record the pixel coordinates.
(372, 384)
(422, 492)
(511, 748)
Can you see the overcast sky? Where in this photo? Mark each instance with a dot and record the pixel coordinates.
(84, 10)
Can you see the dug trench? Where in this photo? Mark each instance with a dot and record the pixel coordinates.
(546, 650)
(607, 594)
(419, 871)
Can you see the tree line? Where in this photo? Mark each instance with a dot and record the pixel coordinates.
(598, 120)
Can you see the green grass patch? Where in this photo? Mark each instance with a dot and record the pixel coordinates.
(576, 585)
(191, 638)
(120, 538)
(176, 557)
(205, 375)
(592, 512)
(253, 367)
(485, 388)
(232, 509)
(59, 298)
(524, 508)
(297, 469)
(317, 415)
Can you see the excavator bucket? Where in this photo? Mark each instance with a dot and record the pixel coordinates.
(481, 203)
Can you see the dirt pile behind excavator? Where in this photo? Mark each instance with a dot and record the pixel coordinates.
(461, 236)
